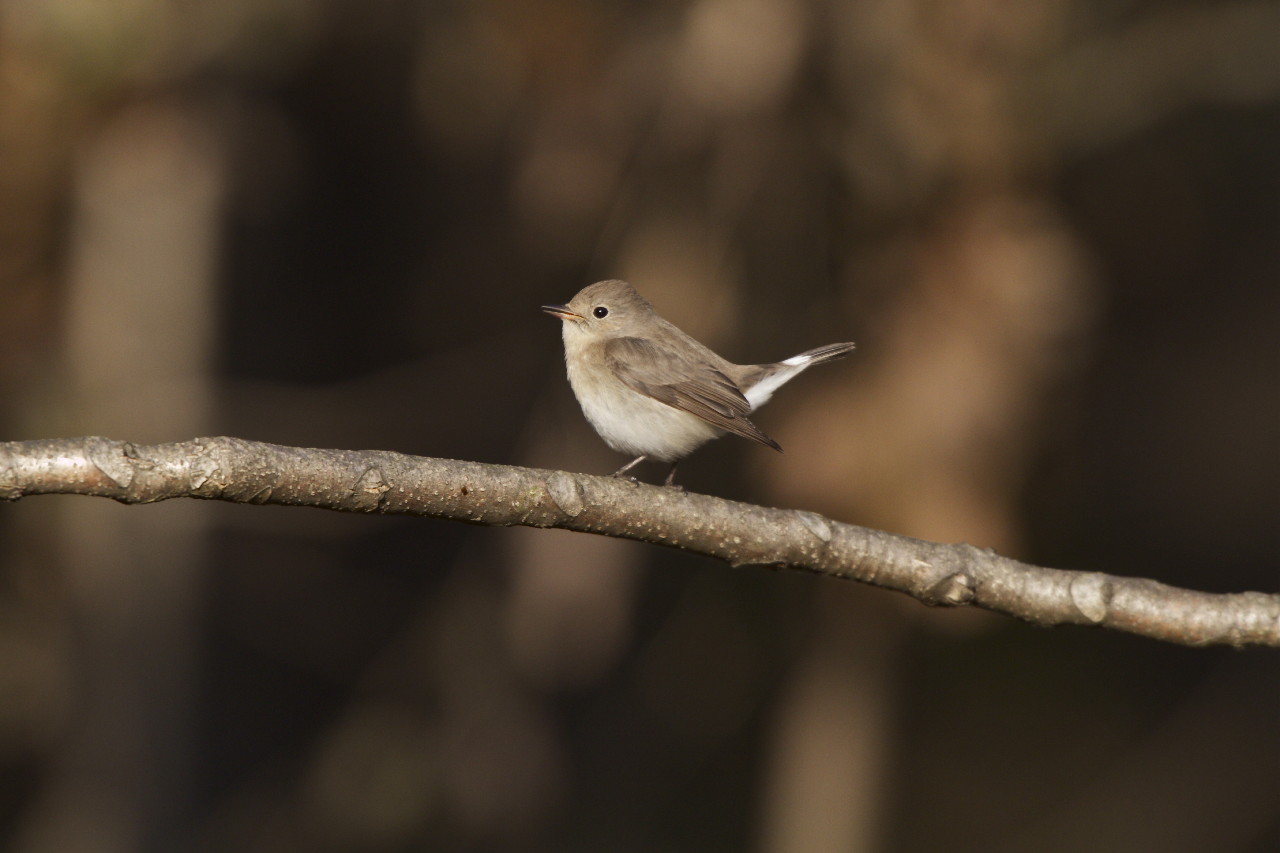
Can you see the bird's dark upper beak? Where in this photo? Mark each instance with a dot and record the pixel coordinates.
(563, 312)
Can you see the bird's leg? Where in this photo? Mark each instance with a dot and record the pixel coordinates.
(621, 472)
(670, 482)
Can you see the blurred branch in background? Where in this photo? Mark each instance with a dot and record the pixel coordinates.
(1051, 227)
(243, 471)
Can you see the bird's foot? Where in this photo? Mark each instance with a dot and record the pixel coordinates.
(670, 482)
(621, 473)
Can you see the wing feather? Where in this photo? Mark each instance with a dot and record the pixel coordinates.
(699, 389)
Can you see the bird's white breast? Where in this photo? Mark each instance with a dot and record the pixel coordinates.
(628, 421)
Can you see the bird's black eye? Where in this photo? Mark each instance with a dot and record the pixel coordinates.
(601, 312)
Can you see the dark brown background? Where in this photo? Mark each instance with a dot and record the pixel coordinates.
(1053, 229)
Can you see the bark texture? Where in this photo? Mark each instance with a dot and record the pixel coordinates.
(240, 471)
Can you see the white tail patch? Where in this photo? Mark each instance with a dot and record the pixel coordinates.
(757, 395)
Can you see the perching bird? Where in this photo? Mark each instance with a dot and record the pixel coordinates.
(651, 390)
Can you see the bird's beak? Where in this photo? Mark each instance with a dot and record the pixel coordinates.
(563, 312)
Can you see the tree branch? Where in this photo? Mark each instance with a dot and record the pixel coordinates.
(232, 469)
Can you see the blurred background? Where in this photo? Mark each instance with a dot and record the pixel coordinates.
(1053, 229)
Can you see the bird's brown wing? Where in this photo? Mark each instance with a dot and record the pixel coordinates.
(694, 387)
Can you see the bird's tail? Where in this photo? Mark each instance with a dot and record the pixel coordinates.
(762, 380)
(820, 355)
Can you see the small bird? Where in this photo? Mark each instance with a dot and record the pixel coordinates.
(651, 390)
